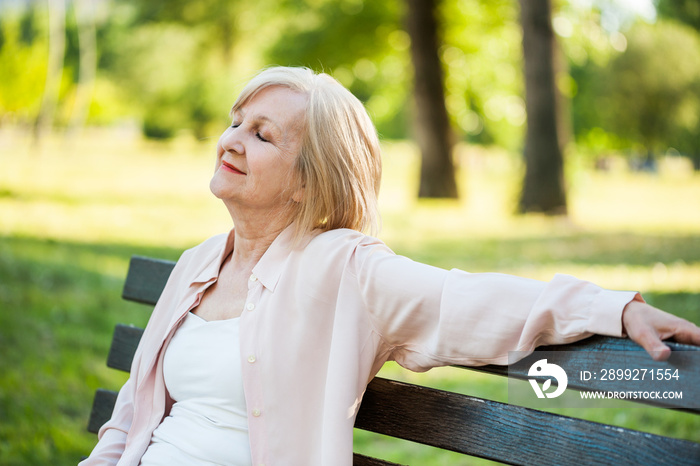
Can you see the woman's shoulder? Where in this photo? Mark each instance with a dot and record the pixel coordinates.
(336, 243)
(342, 237)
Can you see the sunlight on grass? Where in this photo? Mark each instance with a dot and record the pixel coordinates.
(122, 189)
(489, 182)
(113, 190)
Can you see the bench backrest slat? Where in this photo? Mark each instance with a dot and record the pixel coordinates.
(124, 343)
(507, 433)
(362, 460)
(102, 407)
(146, 279)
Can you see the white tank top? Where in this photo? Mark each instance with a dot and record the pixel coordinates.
(207, 424)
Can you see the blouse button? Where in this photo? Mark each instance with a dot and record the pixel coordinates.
(253, 277)
(250, 306)
(256, 413)
(251, 359)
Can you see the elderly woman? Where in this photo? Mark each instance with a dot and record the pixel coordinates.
(262, 344)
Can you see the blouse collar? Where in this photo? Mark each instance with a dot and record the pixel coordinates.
(269, 267)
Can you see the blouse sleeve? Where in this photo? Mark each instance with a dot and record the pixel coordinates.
(430, 317)
(112, 435)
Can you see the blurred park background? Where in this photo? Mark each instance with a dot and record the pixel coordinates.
(563, 139)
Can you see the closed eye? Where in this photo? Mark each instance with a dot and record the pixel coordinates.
(258, 134)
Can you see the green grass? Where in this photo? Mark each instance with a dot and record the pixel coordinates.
(71, 216)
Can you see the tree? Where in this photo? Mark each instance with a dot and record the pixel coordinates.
(85, 18)
(174, 58)
(54, 71)
(684, 11)
(432, 126)
(649, 95)
(543, 187)
(481, 54)
(362, 44)
(23, 64)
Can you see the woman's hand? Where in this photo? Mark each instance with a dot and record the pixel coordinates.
(648, 326)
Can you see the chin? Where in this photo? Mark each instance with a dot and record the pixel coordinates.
(216, 188)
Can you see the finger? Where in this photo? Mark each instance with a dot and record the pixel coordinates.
(648, 339)
(687, 333)
(662, 353)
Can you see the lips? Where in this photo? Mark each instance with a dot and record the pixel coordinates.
(228, 167)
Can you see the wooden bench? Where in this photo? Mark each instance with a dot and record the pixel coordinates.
(469, 425)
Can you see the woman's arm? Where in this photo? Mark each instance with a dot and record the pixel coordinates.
(429, 317)
(112, 435)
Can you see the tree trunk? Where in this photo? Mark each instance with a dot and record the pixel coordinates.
(543, 187)
(85, 17)
(564, 119)
(437, 178)
(54, 69)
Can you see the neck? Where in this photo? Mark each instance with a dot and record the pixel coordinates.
(250, 246)
(254, 233)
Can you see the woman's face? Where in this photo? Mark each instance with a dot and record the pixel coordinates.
(256, 154)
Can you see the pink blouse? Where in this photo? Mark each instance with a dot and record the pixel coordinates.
(321, 319)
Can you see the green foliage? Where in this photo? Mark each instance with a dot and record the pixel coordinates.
(684, 11)
(361, 43)
(173, 65)
(23, 68)
(163, 69)
(171, 55)
(29, 26)
(22, 65)
(160, 123)
(364, 45)
(648, 95)
(483, 70)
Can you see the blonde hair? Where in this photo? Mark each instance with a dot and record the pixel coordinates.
(339, 164)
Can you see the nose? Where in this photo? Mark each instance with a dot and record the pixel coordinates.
(231, 141)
